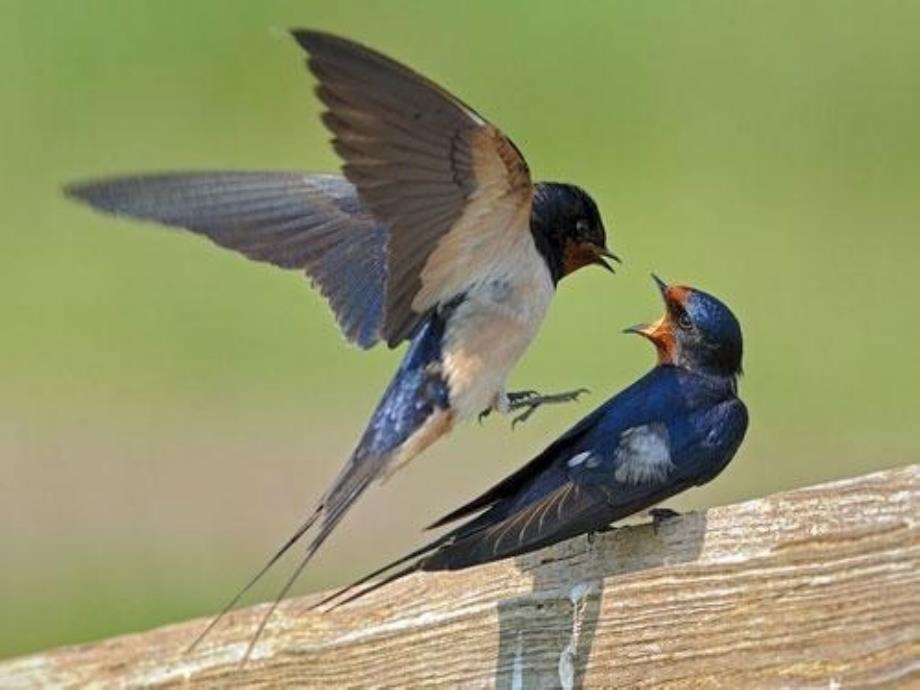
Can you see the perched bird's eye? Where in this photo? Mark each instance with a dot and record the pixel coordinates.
(684, 322)
(581, 226)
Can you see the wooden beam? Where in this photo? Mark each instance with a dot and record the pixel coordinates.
(814, 587)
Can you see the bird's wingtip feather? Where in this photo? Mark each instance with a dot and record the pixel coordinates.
(92, 193)
(310, 39)
(75, 190)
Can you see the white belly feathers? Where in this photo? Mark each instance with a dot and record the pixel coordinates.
(490, 330)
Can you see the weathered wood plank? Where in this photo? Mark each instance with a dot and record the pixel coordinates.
(815, 587)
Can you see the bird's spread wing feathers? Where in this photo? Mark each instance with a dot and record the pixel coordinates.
(452, 188)
(293, 220)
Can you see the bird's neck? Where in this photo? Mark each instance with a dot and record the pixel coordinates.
(544, 227)
(727, 383)
(720, 380)
(706, 365)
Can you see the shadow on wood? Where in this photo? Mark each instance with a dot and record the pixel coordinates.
(560, 611)
(814, 587)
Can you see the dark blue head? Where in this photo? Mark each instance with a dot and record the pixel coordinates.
(697, 332)
(567, 229)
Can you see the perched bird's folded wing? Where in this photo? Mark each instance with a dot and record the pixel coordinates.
(454, 191)
(562, 512)
(514, 482)
(293, 220)
(574, 507)
(579, 484)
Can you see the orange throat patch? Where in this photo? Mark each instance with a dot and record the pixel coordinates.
(576, 255)
(661, 333)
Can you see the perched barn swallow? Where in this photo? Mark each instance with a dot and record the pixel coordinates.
(675, 428)
(436, 235)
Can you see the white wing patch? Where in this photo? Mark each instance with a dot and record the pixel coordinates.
(576, 460)
(643, 455)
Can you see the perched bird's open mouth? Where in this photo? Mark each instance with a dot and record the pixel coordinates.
(661, 332)
(655, 332)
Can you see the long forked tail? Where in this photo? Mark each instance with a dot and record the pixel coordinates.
(331, 509)
(433, 556)
(419, 555)
(258, 576)
(413, 413)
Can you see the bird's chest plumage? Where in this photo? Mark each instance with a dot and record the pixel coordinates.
(501, 312)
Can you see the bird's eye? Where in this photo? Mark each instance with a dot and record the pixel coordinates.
(581, 226)
(684, 322)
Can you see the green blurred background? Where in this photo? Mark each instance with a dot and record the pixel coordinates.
(169, 411)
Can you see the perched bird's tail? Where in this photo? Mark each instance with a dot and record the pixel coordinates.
(413, 413)
(418, 558)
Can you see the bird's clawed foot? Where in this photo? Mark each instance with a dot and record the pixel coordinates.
(529, 401)
(660, 516)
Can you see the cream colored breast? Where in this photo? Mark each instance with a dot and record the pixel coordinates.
(494, 325)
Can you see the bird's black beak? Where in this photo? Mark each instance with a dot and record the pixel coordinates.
(602, 252)
(662, 286)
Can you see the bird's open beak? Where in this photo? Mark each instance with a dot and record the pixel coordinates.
(602, 252)
(661, 336)
(653, 331)
(660, 331)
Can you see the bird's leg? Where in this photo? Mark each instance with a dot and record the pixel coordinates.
(501, 403)
(660, 516)
(529, 401)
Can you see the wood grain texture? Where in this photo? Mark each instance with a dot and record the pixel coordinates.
(818, 587)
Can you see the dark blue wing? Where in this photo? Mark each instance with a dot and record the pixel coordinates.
(293, 220)
(621, 410)
(669, 431)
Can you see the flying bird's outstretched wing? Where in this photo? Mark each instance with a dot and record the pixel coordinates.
(314, 223)
(441, 194)
(452, 189)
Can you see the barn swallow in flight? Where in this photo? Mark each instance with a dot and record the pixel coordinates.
(675, 428)
(436, 235)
